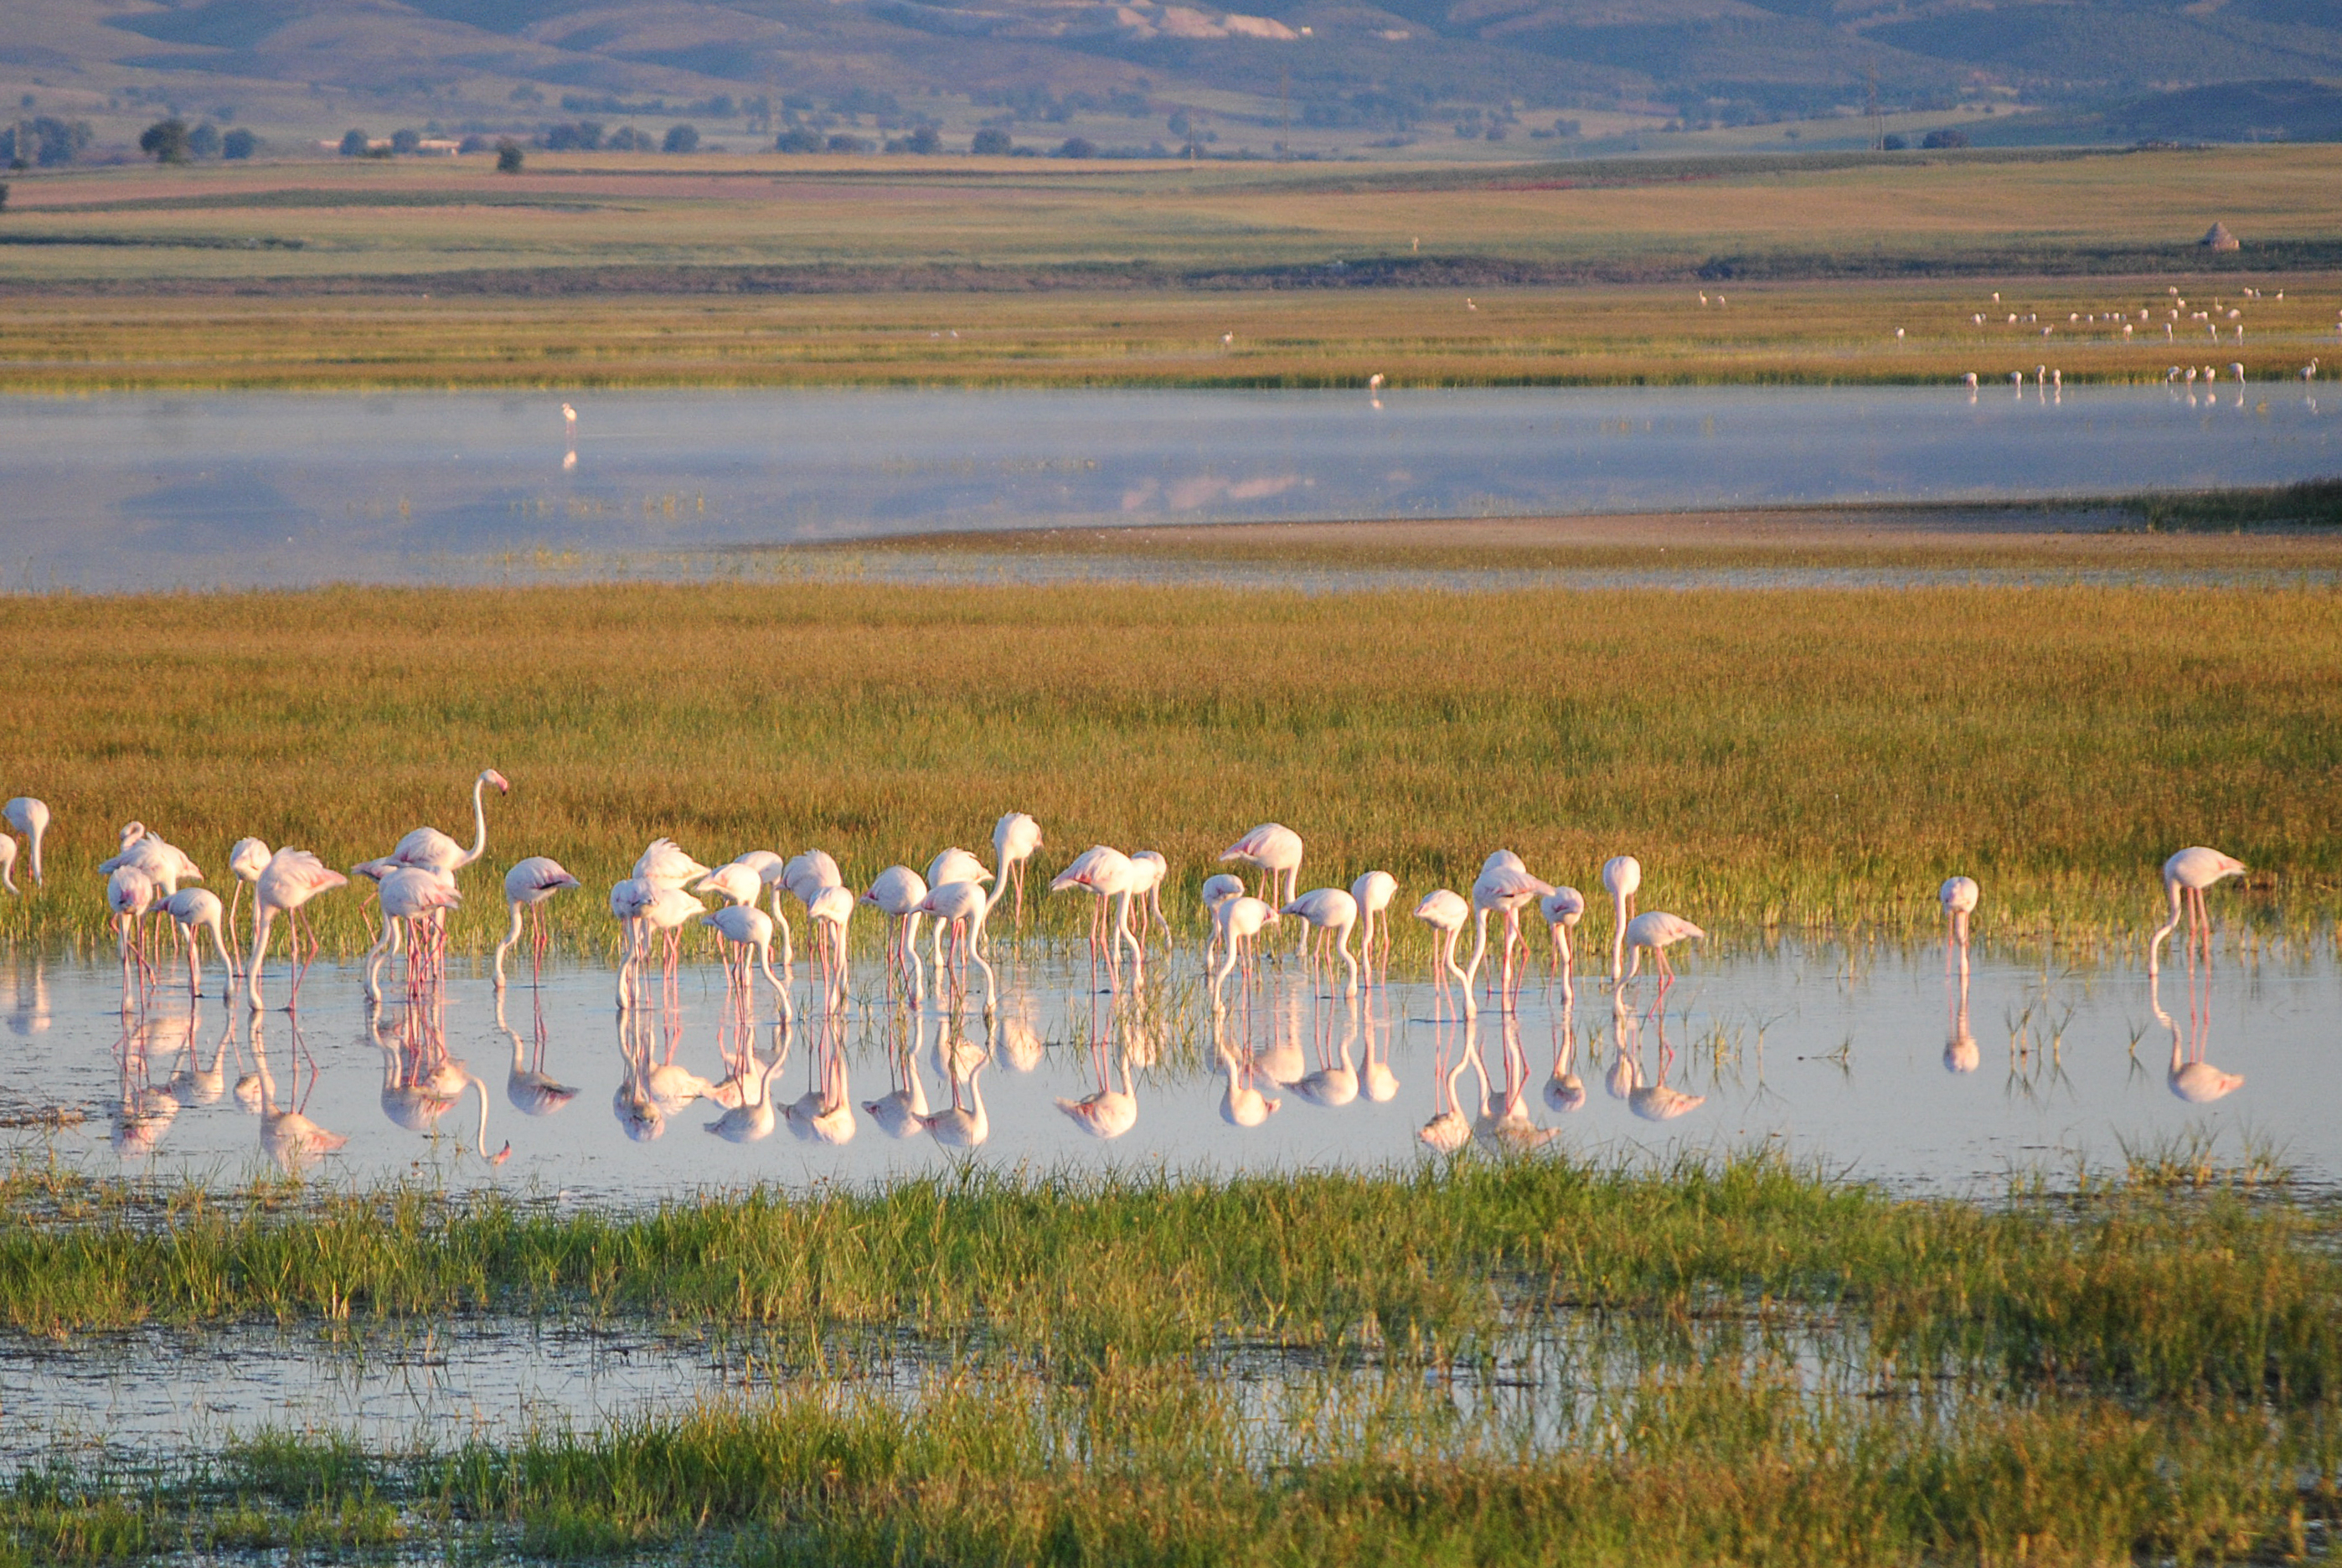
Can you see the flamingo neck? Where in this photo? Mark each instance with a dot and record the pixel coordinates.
(1480, 945)
(479, 822)
(1617, 933)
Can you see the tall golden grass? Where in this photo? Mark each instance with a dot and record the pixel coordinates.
(1776, 759)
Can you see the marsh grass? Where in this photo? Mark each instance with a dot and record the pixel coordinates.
(1783, 762)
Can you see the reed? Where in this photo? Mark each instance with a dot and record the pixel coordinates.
(1782, 762)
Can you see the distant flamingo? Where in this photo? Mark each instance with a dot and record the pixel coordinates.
(435, 851)
(528, 887)
(2186, 875)
(1622, 878)
(292, 877)
(1015, 838)
(30, 818)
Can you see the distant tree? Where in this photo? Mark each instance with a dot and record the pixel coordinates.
(577, 136)
(1945, 138)
(798, 139)
(354, 144)
(842, 143)
(240, 144)
(165, 141)
(1894, 143)
(926, 139)
(991, 141)
(1077, 147)
(626, 139)
(204, 141)
(405, 141)
(4, 195)
(508, 157)
(46, 141)
(681, 139)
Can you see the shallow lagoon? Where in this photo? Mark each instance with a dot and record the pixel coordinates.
(237, 490)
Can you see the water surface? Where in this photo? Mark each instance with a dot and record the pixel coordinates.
(225, 490)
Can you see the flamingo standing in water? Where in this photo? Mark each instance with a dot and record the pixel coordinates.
(1562, 909)
(194, 910)
(292, 878)
(130, 894)
(896, 892)
(1374, 893)
(1275, 849)
(528, 887)
(2186, 875)
(829, 909)
(1656, 931)
(664, 865)
(1506, 885)
(8, 865)
(1015, 838)
(1959, 896)
(746, 927)
(1622, 878)
(1108, 873)
(245, 862)
(411, 895)
(1153, 871)
(1330, 909)
(30, 818)
(962, 906)
(1240, 919)
(432, 850)
(1447, 913)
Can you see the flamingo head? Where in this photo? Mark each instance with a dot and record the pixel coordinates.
(497, 779)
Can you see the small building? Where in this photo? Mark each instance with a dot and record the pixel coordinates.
(2218, 238)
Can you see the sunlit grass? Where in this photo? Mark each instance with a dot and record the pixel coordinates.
(1780, 761)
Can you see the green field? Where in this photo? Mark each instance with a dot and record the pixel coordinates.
(1781, 761)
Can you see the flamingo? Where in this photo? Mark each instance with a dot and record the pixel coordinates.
(957, 864)
(896, 892)
(527, 887)
(745, 926)
(963, 905)
(1240, 920)
(1563, 908)
(1106, 872)
(2186, 875)
(30, 818)
(1275, 849)
(1959, 896)
(1622, 878)
(130, 893)
(1447, 913)
(292, 878)
(734, 882)
(8, 864)
(1217, 890)
(410, 894)
(1658, 931)
(1374, 892)
(1153, 871)
(1015, 838)
(1330, 909)
(1504, 884)
(166, 864)
(665, 865)
(194, 910)
(245, 862)
(434, 851)
(829, 909)
(667, 910)
(628, 898)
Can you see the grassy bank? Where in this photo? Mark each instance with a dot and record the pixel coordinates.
(1767, 1367)
(1778, 760)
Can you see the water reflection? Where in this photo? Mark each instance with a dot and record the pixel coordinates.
(1041, 1064)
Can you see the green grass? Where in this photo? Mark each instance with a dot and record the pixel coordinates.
(1738, 1362)
(1780, 761)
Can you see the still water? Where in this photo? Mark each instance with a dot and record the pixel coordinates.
(223, 490)
(1879, 1062)
(1873, 1061)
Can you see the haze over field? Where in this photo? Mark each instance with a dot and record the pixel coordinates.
(1409, 78)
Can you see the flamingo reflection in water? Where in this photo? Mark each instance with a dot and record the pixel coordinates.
(143, 1109)
(1505, 1124)
(1335, 1082)
(1242, 1103)
(756, 1115)
(1653, 1100)
(825, 1112)
(421, 1082)
(899, 1112)
(1449, 1129)
(292, 1142)
(1565, 1091)
(1108, 1113)
(1960, 1052)
(963, 1124)
(528, 1088)
(2191, 1078)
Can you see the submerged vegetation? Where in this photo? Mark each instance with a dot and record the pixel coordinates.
(1521, 1361)
(1780, 761)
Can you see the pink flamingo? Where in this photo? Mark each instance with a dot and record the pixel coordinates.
(1015, 838)
(527, 887)
(432, 850)
(1274, 848)
(292, 877)
(2186, 875)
